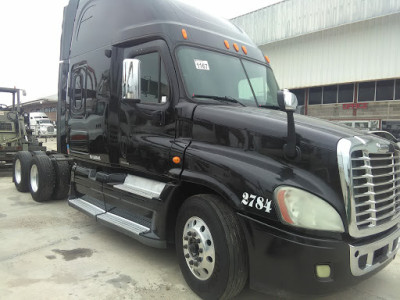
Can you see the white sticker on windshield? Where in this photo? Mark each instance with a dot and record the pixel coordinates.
(201, 65)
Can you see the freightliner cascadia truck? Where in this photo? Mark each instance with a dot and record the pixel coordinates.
(172, 129)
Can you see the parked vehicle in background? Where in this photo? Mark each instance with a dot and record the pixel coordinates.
(13, 135)
(41, 125)
(386, 135)
(176, 132)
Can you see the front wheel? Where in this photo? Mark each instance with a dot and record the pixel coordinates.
(211, 248)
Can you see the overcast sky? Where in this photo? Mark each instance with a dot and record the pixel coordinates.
(30, 33)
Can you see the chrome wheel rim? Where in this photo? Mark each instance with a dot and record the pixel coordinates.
(34, 178)
(17, 171)
(198, 248)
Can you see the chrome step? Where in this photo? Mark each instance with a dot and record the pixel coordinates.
(143, 187)
(86, 207)
(118, 222)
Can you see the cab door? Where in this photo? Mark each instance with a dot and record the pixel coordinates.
(147, 126)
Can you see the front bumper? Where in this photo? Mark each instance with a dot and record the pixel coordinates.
(283, 260)
(44, 133)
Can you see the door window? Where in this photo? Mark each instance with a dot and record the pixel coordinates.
(154, 83)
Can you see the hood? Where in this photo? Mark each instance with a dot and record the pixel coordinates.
(232, 123)
(264, 131)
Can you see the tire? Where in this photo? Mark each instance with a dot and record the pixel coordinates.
(21, 167)
(39, 152)
(62, 178)
(211, 248)
(42, 178)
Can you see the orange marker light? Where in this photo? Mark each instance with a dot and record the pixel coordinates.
(283, 208)
(176, 160)
(226, 44)
(236, 47)
(244, 50)
(184, 34)
(267, 59)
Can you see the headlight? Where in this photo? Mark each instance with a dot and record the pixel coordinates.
(302, 209)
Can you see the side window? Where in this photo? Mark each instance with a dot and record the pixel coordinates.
(154, 82)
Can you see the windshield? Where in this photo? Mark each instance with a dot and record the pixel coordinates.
(207, 73)
(44, 121)
(6, 100)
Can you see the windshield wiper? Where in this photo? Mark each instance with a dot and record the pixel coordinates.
(275, 107)
(219, 98)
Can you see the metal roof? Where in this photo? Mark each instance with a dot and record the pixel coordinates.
(292, 18)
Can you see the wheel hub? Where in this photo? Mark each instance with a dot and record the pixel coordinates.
(34, 178)
(17, 171)
(198, 248)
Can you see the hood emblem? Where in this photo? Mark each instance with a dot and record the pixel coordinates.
(382, 148)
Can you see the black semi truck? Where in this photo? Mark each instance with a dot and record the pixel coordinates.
(172, 129)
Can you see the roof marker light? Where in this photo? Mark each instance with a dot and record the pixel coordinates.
(236, 47)
(184, 34)
(267, 59)
(244, 50)
(226, 44)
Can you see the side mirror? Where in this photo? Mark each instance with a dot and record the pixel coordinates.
(287, 101)
(131, 80)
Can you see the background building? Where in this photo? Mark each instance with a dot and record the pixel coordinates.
(340, 57)
(47, 105)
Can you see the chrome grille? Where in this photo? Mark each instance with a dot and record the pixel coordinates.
(50, 129)
(376, 187)
(370, 177)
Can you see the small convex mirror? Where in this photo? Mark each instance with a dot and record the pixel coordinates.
(131, 79)
(287, 101)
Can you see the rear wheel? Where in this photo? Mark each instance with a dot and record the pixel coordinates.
(42, 178)
(211, 248)
(22, 162)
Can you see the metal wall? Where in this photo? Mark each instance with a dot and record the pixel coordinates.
(291, 18)
(320, 42)
(361, 51)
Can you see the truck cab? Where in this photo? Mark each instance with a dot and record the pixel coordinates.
(41, 125)
(13, 135)
(177, 132)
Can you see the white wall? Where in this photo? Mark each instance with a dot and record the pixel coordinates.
(362, 51)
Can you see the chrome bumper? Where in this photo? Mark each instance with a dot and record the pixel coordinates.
(366, 258)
